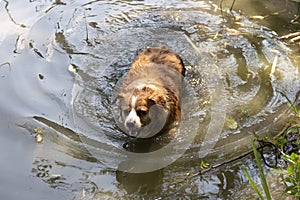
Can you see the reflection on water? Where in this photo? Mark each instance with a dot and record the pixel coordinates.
(63, 66)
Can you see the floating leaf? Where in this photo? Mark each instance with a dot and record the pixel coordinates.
(232, 124)
(274, 51)
(231, 31)
(216, 35)
(38, 130)
(237, 18)
(204, 164)
(38, 135)
(257, 17)
(39, 138)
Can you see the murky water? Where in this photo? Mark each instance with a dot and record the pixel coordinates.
(60, 66)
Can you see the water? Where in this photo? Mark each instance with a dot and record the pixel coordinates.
(61, 65)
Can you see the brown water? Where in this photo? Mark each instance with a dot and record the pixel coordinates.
(60, 66)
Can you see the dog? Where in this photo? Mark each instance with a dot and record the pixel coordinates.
(149, 97)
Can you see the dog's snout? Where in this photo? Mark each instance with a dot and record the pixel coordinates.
(130, 125)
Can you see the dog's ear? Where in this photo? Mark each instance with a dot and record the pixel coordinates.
(157, 99)
(150, 102)
(119, 97)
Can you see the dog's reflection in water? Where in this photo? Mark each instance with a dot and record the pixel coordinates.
(140, 183)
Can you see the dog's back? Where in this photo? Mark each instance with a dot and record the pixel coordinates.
(161, 56)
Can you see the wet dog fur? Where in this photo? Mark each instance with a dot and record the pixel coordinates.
(149, 98)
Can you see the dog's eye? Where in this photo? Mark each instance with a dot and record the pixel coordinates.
(141, 113)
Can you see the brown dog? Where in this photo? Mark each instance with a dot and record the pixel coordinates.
(150, 94)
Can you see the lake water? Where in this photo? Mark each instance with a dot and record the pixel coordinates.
(60, 67)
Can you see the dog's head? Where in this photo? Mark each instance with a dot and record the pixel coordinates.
(144, 112)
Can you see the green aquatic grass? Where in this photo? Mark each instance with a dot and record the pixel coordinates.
(252, 183)
(293, 107)
(261, 172)
(262, 176)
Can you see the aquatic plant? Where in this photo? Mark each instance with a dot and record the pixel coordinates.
(262, 176)
(289, 155)
(291, 174)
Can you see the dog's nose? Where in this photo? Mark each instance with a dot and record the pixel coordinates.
(130, 124)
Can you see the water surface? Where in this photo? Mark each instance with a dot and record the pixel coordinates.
(60, 70)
